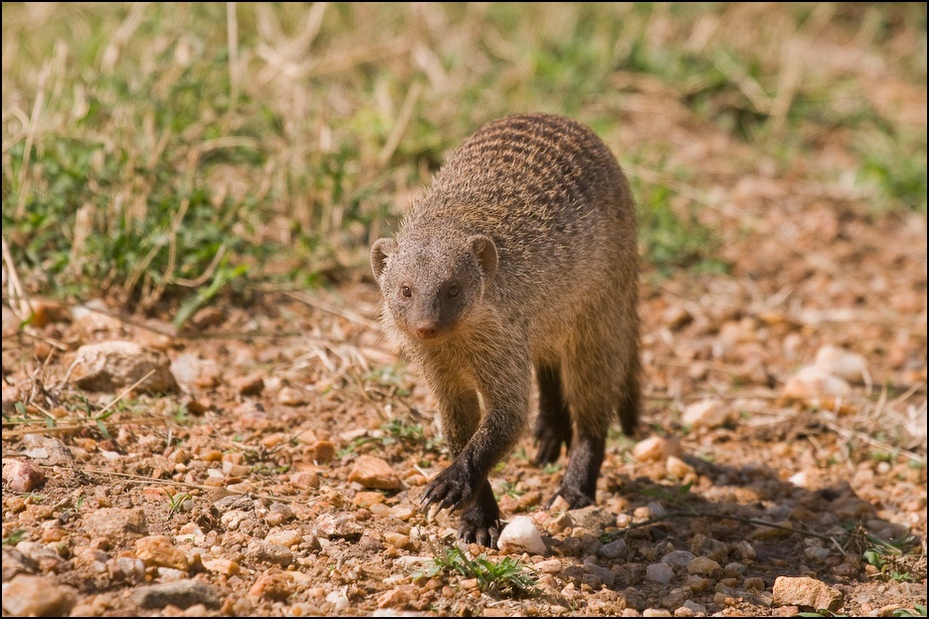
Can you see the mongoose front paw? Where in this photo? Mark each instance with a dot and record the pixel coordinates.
(480, 522)
(453, 488)
(471, 533)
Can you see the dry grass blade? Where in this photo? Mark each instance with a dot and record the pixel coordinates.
(329, 308)
(848, 434)
(77, 427)
(31, 130)
(122, 395)
(401, 123)
(20, 302)
(232, 34)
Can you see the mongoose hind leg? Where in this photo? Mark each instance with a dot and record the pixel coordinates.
(593, 384)
(578, 487)
(553, 425)
(481, 521)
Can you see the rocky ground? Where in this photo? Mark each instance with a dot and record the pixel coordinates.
(780, 467)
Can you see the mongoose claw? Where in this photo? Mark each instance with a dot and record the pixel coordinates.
(451, 489)
(483, 535)
(480, 523)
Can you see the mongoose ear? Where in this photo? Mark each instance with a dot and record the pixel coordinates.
(381, 249)
(485, 251)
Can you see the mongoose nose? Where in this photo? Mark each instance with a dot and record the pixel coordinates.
(427, 330)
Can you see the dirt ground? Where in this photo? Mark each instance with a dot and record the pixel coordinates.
(248, 478)
(281, 474)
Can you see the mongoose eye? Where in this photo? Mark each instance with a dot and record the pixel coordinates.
(405, 291)
(453, 291)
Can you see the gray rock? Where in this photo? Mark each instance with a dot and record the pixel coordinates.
(270, 552)
(709, 547)
(234, 501)
(601, 573)
(659, 572)
(181, 593)
(678, 558)
(614, 550)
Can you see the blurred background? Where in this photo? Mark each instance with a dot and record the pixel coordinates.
(161, 155)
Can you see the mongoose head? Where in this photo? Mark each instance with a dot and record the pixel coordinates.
(430, 282)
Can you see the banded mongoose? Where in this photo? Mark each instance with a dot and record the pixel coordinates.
(522, 255)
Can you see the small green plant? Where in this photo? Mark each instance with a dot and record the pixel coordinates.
(504, 578)
(67, 512)
(919, 610)
(176, 502)
(672, 236)
(182, 414)
(676, 495)
(895, 166)
(15, 537)
(895, 558)
(392, 376)
(395, 431)
(883, 456)
(550, 468)
(510, 490)
(399, 430)
(263, 468)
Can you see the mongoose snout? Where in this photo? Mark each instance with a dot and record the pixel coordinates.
(519, 261)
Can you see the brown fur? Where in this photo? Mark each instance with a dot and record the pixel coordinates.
(522, 256)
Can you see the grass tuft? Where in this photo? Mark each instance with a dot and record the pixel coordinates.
(169, 155)
(504, 578)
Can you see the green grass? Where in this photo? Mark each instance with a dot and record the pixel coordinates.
(164, 156)
(15, 537)
(395, 431)
(898, 559)
(504, 578)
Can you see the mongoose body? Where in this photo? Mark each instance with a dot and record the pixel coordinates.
(520, 257)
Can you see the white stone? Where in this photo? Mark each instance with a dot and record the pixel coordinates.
(338, 599)
(848, 366)
(706, 414)
(659, 572)
(521, 535)
(799, 479)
